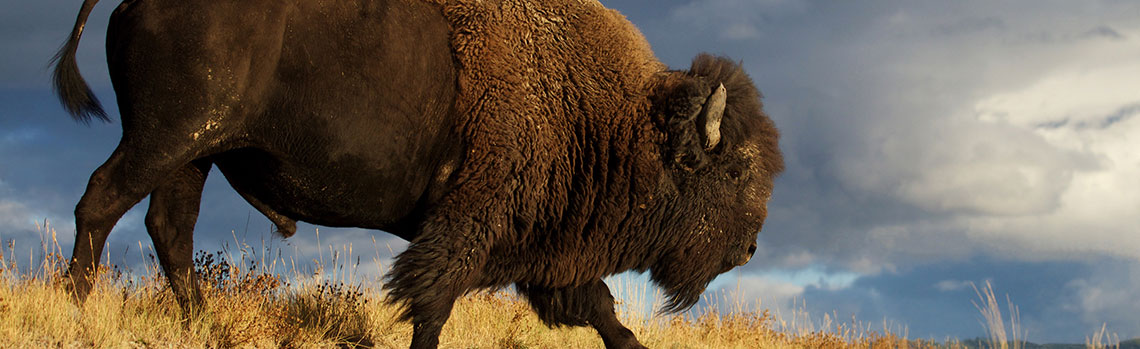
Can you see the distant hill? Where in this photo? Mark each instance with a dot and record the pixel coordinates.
(980, 343)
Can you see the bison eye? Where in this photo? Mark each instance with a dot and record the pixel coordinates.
(734, 173)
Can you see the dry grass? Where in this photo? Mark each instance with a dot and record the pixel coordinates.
(249, 302)
(1103, 339)
(993, 321)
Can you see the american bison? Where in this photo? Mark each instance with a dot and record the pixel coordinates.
(539, 144)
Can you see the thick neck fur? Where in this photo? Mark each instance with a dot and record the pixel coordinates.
(554, 103)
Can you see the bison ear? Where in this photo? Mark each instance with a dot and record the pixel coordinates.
(692, 116)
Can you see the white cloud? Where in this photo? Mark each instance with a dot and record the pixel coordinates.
(971, 168)
(19, 216)
(752, 292)
(777, 290)
(1108, 296)
(1087, 107)
(952, 285)
(15, 216)
(1078, 97)
(1013, 132)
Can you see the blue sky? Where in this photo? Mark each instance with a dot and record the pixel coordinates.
(930, 144)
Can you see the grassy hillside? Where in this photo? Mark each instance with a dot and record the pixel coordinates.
(249, 303)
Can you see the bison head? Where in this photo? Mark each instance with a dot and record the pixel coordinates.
(721, 158)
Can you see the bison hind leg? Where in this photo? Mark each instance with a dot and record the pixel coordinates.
(170, 222)
(589, 304)
(137, 167)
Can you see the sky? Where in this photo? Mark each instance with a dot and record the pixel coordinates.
(930, 145)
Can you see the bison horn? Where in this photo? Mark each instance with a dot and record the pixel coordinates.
(710, 116)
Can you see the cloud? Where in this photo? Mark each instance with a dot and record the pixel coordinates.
(955, 143)
(1058, 301)
(969, 25)
(1081, 107)
(952, 285)
(15, 216)
(963, 167)
(20, 220)
(750, 293)
(1108, 295)
(1082, 95)
(776, 290)
(735, 19)
(1103, 31)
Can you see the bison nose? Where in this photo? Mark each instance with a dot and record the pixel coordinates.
(748, 256)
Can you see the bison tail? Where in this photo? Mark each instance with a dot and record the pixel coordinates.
(68, 84)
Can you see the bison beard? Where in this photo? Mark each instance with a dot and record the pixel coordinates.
(550, 149)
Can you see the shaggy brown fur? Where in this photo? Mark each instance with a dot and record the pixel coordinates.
(567, 117)
(541, 86)
(553, 94)
(552, 97)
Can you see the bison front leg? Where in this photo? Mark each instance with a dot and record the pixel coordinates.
(438, 267)
(589, 304)
(170, 221)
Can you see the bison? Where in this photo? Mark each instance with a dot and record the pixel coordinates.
(539, 144)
